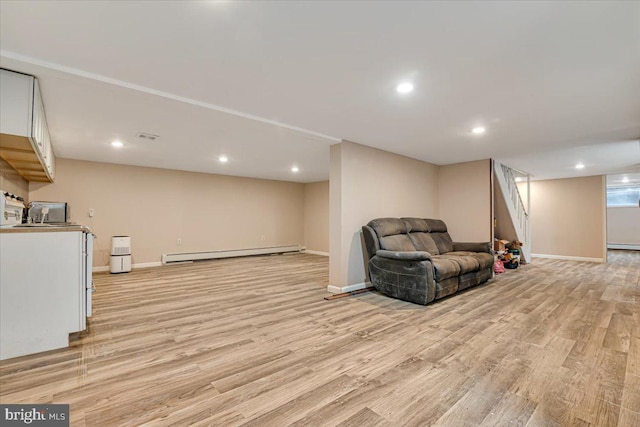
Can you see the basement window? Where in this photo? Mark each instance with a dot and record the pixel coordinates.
(628, 196)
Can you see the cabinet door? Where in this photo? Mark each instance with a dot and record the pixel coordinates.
(39, 124)
(16, 103)
(46, 143)
(52, 165)
(41, 291)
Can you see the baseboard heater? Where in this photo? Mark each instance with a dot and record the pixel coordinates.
(199, 256)
(627, 246)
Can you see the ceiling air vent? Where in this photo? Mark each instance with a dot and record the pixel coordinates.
(148, 136)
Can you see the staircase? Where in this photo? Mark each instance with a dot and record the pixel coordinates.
(507, 185)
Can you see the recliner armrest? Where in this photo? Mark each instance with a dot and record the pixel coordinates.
(404, 256)
(473, 247)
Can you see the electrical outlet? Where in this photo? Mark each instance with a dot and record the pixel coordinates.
(263, 238)
(179, 242)
(91, 212)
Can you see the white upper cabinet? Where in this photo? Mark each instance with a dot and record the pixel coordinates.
(16, 103)
(25, 142)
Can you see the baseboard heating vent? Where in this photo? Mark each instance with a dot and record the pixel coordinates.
(199, 256)
(624, 246)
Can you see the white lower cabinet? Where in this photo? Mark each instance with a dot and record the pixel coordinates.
(43, 293)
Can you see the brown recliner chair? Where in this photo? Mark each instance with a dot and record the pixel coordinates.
(414, 259)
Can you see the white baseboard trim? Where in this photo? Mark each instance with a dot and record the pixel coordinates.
(623, 246)
(348, 288)
(568, 258)
(134, 266)
(309, 251)
(147, 264)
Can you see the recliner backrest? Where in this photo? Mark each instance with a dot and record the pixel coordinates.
(419, 234)
(407, 234)
(442, 239)
(392, 234)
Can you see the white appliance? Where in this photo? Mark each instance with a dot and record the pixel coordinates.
(11, 209)
(120, 261)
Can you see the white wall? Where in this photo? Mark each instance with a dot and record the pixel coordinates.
(623, 226)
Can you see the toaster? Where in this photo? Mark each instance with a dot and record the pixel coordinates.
(11, 208)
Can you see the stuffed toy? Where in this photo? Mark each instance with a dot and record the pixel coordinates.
(514, 245)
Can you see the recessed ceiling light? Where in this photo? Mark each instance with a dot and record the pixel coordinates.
(405, 87)
(294, 169)
(117, 144)
(579, 166)
(625, 179)
(518, 179)
(223, 159)
(478, 130)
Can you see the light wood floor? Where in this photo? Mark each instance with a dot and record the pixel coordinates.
(251, 342)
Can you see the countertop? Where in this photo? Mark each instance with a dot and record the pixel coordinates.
(45, 229)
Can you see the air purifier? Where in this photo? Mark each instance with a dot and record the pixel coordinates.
(120, 261)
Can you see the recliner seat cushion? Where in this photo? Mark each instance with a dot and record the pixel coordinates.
(484, 259)
(467, 264)
(445, 268)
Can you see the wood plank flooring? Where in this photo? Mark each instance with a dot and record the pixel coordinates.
(250, 341)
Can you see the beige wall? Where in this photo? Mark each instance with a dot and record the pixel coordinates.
(365, 184)
(158, 206)
(11, 182)
(568, 217)
(316, 216)
(623, 226)
(465, 200)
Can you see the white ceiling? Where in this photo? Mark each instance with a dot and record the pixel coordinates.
(598, 159)
(549, 80)
(623, 179)
(85, 115)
